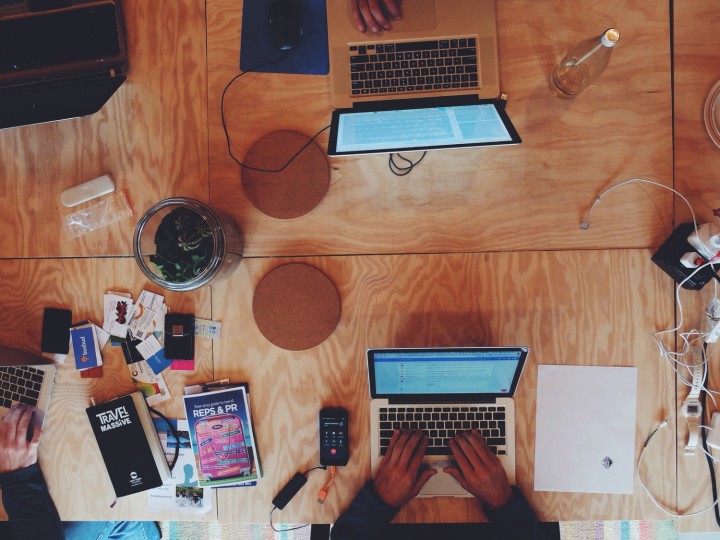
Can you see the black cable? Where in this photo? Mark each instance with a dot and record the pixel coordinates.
(713, 483)
(174, 434)
(227, 135)
(402, 170)
(324, 467)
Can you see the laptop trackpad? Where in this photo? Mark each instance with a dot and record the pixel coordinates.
(417, 15)
(442, 484)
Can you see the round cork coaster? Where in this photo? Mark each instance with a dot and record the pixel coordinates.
(296, 306)
(294, 191)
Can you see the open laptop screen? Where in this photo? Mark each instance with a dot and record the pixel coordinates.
(87, 36)
(445, 372)
(424, 124)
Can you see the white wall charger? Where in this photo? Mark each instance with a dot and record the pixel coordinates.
(713, 438)
(706, 240)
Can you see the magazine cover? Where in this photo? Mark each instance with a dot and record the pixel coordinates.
(221, 436)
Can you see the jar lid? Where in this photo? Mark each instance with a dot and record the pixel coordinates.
(610, 37)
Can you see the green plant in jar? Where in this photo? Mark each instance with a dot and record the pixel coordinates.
(184, 245)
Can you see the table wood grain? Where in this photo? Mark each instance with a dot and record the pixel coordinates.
(696, 70)
(151, 137)
(547, 301)
(474, 247)
(531, 196)
(69, 455)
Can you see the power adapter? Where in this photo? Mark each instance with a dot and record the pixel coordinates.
(289, 491)
(713, 438)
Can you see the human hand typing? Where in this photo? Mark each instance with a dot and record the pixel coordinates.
(478, 470)
(399, 477)
(16, 452)
(375, 15)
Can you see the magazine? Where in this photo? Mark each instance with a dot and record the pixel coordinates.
(221, 435)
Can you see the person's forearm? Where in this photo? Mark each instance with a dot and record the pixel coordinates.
(515, 517)
(365, 518)
(29, 507)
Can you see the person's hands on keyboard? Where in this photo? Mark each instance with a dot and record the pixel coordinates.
(400, 476)
(478, 470)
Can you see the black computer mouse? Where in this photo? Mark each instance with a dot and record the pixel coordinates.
(285, 25)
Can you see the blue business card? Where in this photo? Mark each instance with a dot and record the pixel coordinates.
(158, 362)
(84, 347)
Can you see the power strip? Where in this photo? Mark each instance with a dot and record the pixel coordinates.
(668, 258)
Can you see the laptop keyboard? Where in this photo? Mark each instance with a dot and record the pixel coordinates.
(413, 66)
(441, 424)
(20, 385)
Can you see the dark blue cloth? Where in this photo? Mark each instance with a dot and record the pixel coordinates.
(369, 518)
(33, 516)
(311, 56)
(28, 505)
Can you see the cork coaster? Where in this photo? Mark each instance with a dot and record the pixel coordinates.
(294, 191)
(296, 307)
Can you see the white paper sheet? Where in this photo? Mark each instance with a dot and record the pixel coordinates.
(585, 429)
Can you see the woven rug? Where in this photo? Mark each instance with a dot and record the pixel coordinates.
(617, 530)
(200, 530)
(569, 530)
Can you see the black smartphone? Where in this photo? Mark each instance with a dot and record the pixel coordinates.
(56, 331)
(334, 440)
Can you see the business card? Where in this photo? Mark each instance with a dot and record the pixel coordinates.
(118, 311)
(85, 347)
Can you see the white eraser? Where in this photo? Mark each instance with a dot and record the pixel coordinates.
(87, 191)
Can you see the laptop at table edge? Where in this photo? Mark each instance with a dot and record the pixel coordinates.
(507, 400)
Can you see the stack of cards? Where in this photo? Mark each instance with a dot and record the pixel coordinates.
(139, 328)
(85, 346)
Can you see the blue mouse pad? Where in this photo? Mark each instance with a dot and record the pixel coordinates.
(256, 45)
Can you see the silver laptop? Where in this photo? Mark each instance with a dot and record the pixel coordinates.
(430, 83)
(443, 391)
(437, 48)
(25, 384)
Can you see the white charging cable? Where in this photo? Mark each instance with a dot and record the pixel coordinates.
(647, 490)
(586, 222)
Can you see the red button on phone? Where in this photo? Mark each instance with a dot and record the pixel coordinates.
(333, 451)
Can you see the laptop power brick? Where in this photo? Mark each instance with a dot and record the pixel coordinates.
(668, 256)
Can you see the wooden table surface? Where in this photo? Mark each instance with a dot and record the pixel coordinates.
(697, 160)
(475, 247)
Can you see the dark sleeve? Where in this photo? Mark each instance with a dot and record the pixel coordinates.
(366, 517)
(515, 517)
(29, 507)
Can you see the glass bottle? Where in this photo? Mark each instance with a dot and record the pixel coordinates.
(583, 64)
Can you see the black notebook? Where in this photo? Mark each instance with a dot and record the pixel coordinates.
(129, 444)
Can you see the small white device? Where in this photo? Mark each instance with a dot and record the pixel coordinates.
(87, 191)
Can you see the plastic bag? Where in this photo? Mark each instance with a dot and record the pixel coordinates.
(107, 211)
